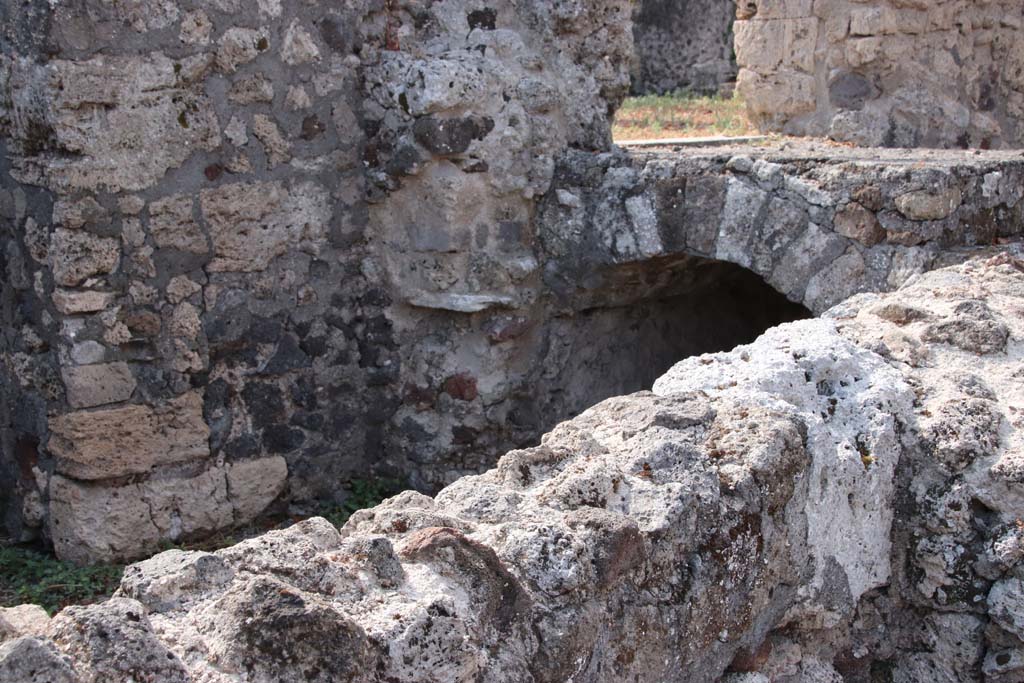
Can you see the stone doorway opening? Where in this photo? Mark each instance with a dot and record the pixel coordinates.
(644, 318)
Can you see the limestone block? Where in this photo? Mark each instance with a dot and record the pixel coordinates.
(858, 223)
(784, 92)
(76, 256)
(32, 659)
(252, 89)
(23, 620)
(239, 46)
(88, 351)
(925, 205)
(73, 302)
(129, 440)
(188, 505)
(78, 213)
(760, 44)
(254, 484)
(800, 44)
(95, 385)
(120, 122)
(298, 46)
(195, 28)
(862, 51)
(91, 521)
(253, 223)
(276, 147)
(172, 226)
(180, 288)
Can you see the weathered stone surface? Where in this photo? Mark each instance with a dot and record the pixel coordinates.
(74, 302)
(239, 46)
(737, 523)
(312, 217)
(254, 484)
(23, 620)
(109, 122)
(130, 440)
(892, 72)
(33, 660)
(251, 224)
(172, 225)
(113, 641)
(856, 222)
(95, 385)
(928, 206)
(683, 46)
(76, 256)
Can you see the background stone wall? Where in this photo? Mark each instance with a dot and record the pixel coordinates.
(899, 73)
(252, 251)
(683, 45)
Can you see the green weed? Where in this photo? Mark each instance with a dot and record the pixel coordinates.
(28, 575)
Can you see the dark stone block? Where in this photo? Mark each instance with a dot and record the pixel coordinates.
(306, 420)
(265, 402)
(405, 161)
(314, 346)
(244, 446)
(461, 386)
(227, 325)
(312, 127)
(463, 435)
(850, 91)
(450, 136)
(482, 18)
(289, 356)
(265, 330)
(281, 439)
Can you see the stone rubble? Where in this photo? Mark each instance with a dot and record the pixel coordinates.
(839, 500)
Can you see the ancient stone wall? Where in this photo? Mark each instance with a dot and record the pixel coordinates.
(838, 501)
(899, 73)
(252, 253)
(244, 245)
(683, 45)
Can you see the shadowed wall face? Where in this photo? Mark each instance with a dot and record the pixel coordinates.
(683, 45)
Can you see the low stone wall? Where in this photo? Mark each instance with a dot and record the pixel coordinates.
(683, 45)
(816, 221)
(898, 73)
(838, 501)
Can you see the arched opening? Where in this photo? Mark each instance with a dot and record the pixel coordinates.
(644, 318)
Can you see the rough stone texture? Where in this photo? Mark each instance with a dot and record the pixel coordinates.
(898, 73)
(115, 442)
(683, 45)
(23, 620)
(819, 223)
(420, 253)
(837, 501)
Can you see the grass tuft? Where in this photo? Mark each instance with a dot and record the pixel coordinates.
(363, 493)
(30, 575)
(681, 115)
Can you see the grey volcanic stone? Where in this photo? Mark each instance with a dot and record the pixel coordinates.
(768, 512)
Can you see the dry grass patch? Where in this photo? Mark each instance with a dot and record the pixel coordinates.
(680, 115)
